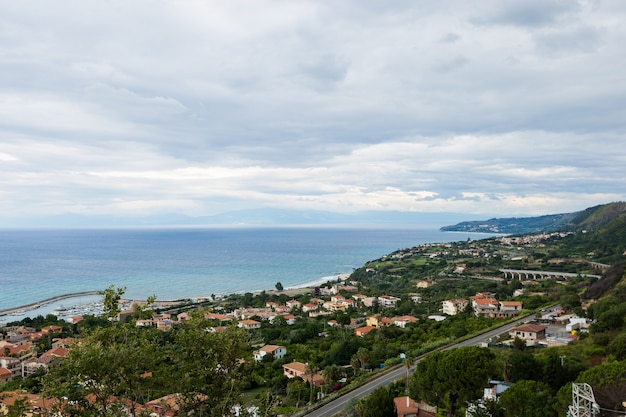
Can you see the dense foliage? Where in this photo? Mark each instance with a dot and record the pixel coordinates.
(120, 367)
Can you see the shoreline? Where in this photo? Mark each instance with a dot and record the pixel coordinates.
(290, 291)
(37, 304)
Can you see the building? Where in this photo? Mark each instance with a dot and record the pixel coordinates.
(249, 324)
(5, 376)
(299, 370)
(404, 320)
(277, 352)
(485, 307)
(309, 307)
(511, 306)
(454, 307)
(531, 333)
(219, 317)
(407, 407)
(388, 301)
(335, 306)
(363, 331)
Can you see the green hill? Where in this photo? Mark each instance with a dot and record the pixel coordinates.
(589, 219)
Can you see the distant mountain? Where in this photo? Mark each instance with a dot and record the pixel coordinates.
(589, 219)
(514, 225)
(264, 217)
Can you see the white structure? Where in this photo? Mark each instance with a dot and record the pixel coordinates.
(454, 307)
(583, 402)
(387, 301)
(277, 352)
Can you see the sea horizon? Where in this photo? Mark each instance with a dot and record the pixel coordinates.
(192, 262)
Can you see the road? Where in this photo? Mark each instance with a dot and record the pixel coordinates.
(344, 401)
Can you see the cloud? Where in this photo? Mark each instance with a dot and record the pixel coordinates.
(203, 107)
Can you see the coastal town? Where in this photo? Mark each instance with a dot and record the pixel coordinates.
(338, 335)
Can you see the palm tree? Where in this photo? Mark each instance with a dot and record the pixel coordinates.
(363, 355)
(331, 374)
(355, 364)
(310, 372)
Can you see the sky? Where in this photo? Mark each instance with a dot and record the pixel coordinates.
(156, 107)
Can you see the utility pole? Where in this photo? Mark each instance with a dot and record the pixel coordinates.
(583, 402)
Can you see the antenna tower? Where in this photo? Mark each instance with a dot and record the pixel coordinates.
(583, 402)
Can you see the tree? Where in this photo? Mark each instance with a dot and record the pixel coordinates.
(527, 398)
(608, 382)
(363, 355)
(105, 366)
(310, 372)
(111, 301)
(617, 347)
(523, 365)
(378, 404)
(297, 389)
(279, 286)
(355, 364)
(145, 312)
(331, 374)
(453, 377)
(207, 367)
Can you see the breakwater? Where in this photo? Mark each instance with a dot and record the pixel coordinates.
(42, 303)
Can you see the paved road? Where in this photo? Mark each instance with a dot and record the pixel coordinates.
(344, 401)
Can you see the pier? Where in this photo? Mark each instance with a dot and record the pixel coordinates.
(42, 303)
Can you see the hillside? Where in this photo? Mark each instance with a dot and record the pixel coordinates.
(588, 219)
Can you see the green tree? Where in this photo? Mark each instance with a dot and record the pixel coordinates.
(279, 286)
(523, 365)
(608, 382)
(528, 399)
(144, 312)
(111, 301)
(617, 347)
(297, 390)
(106, 366)
(207, 367)
(453, 377)
(378, 404)
(310, 372)
(331, 374)
(363, 356)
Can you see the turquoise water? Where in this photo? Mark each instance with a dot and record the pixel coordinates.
(188, 263)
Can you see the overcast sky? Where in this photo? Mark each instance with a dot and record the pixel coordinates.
(511, 107)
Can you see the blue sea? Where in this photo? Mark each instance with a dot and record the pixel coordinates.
(189, 263)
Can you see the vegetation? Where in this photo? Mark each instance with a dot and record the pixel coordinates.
(118, 367)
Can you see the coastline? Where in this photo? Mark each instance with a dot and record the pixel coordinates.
(290, 291)
(37, 304)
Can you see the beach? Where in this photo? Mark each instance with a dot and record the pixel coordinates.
(34, 309)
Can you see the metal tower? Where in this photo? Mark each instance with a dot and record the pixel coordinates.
(583, 402)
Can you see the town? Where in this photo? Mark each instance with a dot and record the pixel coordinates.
(288, 352)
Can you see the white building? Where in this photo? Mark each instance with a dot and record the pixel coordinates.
(277, 352)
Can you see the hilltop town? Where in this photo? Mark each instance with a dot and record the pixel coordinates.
(279, 353)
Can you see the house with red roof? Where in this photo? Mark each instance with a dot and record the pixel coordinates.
(408, 407)
(275, 351)
(364, 331)
(531, 333)
(485, 307)
(5, 376)
(299, 370)
(249, 324)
